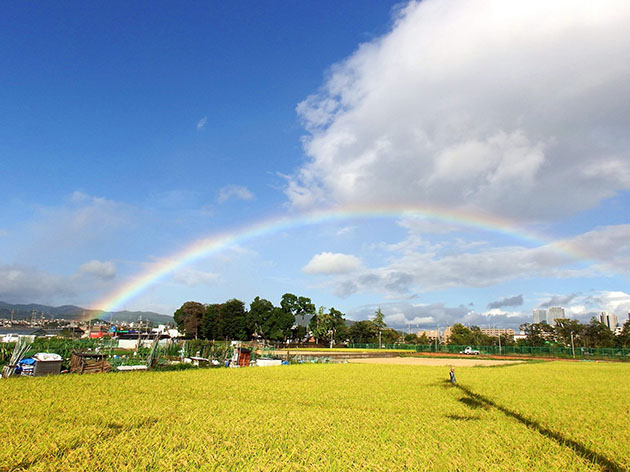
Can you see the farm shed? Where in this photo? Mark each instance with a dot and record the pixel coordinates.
(241, 356)
(88, 363)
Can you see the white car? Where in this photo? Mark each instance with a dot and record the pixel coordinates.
(469, 350)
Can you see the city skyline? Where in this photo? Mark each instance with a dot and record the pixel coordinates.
(444, 161)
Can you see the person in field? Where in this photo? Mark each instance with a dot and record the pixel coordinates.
(452, 374)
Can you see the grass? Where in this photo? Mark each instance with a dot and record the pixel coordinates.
(547, 416)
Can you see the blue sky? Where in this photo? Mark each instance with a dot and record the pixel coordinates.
(129, 131)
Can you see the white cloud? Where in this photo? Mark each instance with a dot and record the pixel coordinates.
(194, 278)
(346, 230)
(514, 107)
(609, 245)
(332, 263)
(102, 270)
(202, 122)
(234, 191)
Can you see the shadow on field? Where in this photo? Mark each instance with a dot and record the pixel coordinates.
(475, 400)
(462, 418)
(114, 430)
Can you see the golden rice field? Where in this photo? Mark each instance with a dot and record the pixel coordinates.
(546, 416)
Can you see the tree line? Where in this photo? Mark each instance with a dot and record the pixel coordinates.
(296, 319)
(231, 320)
(593, 334)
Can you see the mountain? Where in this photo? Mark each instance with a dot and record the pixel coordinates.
(72, 312)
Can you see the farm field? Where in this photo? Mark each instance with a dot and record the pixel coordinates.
(538, 416)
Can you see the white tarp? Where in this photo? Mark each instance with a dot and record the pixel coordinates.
(47, 356)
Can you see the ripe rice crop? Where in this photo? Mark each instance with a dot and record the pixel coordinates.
(545, 416)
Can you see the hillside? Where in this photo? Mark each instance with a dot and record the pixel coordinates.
(72, 312)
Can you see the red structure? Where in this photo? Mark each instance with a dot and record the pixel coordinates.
(243, 356)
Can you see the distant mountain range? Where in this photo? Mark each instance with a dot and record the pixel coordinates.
(72, 312)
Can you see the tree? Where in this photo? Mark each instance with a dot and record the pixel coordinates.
(259, 318)
(327, 325)
(379, 322)
(390, 336)
(297, 306)
(188, 318)
(281, 324)
(211, 325)
(596, 334)
(623, 340)
(460, 335)
(363, 332)
(563, 330)
(537, 334)
(411, 338)
(233, 320)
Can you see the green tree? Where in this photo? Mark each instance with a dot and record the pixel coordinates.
(188, 318)
(623, 340)
(260, 316)
(327, 325)
(299, 307)
(597, 334)
(363, 332)
(379, 322)
(390, 336)
(233, 320)
(564, 328)
(460, 335)
(411, 338)
(537, 334)
(281, 324)
(211, 325)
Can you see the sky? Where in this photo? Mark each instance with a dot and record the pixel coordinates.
(446, 161)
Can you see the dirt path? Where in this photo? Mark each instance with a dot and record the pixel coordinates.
(431, 361)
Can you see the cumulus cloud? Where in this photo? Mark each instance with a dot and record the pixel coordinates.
(102, 270)
(512, 107)
(400, 315)
(430, 270)
(194, 278)
(508, 301)
(332, 263)
(234, 191)
(608, 245)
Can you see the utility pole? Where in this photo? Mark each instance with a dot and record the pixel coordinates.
(499, 343)
(572, 345)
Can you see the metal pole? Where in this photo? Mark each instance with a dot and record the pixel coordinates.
(499, 343)
(572, 345)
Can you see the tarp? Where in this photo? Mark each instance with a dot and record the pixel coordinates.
(46, 356)
(27, 361)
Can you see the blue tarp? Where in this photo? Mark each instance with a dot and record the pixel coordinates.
(27, 361)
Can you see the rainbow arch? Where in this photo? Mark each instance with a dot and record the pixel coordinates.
(200, 248)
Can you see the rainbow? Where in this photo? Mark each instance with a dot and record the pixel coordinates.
(217, 242)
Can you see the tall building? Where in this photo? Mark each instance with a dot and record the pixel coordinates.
(540, 316)
(609, 319)
(554, 313)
